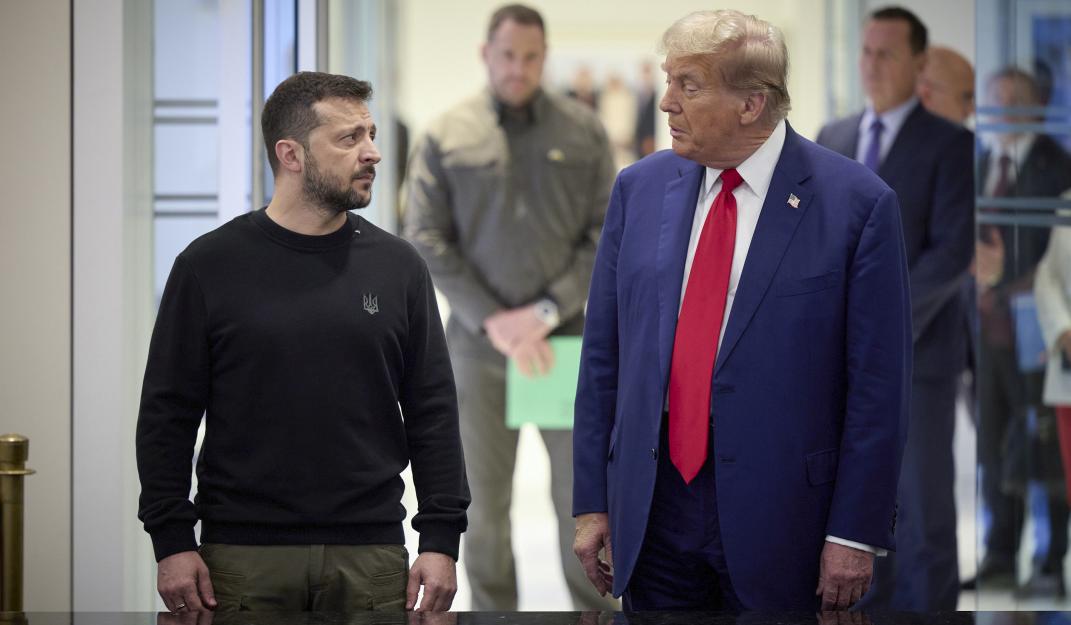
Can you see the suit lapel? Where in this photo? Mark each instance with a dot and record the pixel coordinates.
(678, 211)
(777, 225)
(905, 146)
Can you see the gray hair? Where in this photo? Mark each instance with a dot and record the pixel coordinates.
(753, 53)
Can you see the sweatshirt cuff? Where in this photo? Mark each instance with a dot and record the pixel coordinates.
(439, 538)
(168, 540)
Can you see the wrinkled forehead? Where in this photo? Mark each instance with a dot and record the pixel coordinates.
(333, 112)
(693, 66)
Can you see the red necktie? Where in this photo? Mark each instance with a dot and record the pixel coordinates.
(695, 346)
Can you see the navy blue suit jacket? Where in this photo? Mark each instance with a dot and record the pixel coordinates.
(931, 167)
(809, 392)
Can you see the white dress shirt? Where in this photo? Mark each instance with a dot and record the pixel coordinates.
(757, 172)
(1017, 151)
(893, 120)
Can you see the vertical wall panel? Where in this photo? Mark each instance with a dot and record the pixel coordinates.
(35, 261)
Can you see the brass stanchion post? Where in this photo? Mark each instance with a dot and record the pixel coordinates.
(14, 449)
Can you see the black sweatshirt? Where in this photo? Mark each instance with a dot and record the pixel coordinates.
(320, 366)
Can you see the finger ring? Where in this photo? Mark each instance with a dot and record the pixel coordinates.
(180, 606)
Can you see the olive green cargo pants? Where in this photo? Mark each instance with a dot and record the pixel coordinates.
(295, 578)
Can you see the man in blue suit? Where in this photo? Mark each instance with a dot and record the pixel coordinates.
(928, 161)
(746, 354)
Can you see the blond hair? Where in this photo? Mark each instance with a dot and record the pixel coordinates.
(753, 55)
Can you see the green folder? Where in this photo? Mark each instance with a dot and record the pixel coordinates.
(545, 401)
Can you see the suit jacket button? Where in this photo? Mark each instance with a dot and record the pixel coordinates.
(654, 453)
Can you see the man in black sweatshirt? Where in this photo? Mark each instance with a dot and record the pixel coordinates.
(310, 341)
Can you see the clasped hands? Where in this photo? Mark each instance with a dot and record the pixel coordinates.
(518, 334)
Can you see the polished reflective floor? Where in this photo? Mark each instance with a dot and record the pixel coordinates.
(530, 618)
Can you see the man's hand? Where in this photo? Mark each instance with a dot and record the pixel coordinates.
(533, 358)
(592, 534)
(436, 573)
(989, 258)
(509, 328)
(183, 583)
(843, 576)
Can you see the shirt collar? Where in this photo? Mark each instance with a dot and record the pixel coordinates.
(893, 119)
(530, 113)
(1017, 150)
(757, 170)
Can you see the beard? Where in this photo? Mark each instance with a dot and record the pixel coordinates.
(331, 193)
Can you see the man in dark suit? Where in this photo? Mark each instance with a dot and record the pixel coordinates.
(746, 355)
(1015, 164)
(927, 161)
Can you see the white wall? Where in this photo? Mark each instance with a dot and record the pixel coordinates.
(949, 22)
(35, 259)
(112, 230)
(439, 42)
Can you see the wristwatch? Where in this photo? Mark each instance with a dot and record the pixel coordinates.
(547, 312)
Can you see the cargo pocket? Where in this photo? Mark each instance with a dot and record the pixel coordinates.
(227, 586)
(228, 589)
(387, 588)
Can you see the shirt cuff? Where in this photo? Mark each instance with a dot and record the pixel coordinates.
(881, 553)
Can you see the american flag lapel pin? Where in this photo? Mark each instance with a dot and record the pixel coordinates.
(793, 201)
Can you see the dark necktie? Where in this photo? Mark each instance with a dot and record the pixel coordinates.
(695, 346)
(872, 159)
(1003, 186)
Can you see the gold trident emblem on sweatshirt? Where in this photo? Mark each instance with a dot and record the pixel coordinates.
(371, 303)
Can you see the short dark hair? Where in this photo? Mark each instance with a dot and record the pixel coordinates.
(918, 36)
(519, 13)
(1027, 93)
(289, 114)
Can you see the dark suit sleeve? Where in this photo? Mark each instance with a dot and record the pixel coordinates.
(938, 271)
(596, 394)
(569, 289)
(878, 351)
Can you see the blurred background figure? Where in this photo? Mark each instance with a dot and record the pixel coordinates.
(946, 89)
(506, 196)
(1052, 289)
(617, 110)
(582, 87)
(896, 137)
(1017, 433)
(946, 86)
(647, 104)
